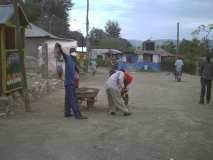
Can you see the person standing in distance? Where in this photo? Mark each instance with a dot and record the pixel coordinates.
(206, 73)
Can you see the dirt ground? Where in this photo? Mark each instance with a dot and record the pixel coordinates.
(167, 123)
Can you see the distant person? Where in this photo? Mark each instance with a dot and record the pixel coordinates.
(178, 68)
(59, 69)
(206, 73)
(93, 67)
(71, 102)
(114, 87)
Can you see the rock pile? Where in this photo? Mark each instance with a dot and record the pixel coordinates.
(37, 87)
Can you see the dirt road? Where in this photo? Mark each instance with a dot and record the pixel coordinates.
(167, 122)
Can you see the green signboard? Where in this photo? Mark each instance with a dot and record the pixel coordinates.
(13, 71)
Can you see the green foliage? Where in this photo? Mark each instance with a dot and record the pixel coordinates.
(113, 43)
(189, 66)
(51, 15)
(77, 36)
(169, 47)
(33, 10)
(204, 31)
(96, 35)
(193, 49)
(109, 39)
(168, 64)
(112, 29)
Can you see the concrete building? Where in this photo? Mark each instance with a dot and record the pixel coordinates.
(143, 59)
(37, 41)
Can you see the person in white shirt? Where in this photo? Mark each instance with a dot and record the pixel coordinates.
(114, 86)
(178, 68)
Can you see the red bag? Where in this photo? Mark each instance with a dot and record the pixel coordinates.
(128, 78)
(77, 80)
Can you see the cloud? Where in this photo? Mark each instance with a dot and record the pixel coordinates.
(142, 19)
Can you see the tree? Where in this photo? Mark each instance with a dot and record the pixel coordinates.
(193, 49)
(112, 29)
(169, 47)
(96, 35)
(51, 15)
(204, 31)
(114, 43)
(77, 36)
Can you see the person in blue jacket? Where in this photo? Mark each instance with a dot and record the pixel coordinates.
(71, 102)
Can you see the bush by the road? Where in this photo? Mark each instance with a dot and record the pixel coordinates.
(189, 66)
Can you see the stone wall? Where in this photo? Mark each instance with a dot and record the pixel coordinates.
(37, 88)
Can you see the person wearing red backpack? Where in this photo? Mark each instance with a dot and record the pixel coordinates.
(114, 87)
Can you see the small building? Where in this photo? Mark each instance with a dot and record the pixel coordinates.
(102, 56)
(37, 40)
(10, 55)
(143, 60)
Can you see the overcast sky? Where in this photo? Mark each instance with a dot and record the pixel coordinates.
(144, 19)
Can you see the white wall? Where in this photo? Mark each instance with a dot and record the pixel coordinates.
(140, 58)
(156, 59)
(66, 45)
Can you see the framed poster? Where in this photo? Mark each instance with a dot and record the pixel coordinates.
(13, 72)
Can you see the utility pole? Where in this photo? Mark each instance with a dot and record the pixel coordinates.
(87, 32)
(178, 35)
(87, 20)
(19, 46)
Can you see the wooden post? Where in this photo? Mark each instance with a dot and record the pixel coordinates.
(20, 47)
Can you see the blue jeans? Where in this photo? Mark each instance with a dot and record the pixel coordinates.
(71, 102)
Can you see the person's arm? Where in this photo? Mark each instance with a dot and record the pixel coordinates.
(76, 69)
(121, 80)
(61, 51)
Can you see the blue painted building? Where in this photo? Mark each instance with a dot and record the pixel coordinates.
(143, 60)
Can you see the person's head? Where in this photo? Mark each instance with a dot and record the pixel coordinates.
(72, 50)
(57, 45)
(178, 57)
(122, 70)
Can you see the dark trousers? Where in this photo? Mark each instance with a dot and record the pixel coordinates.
(71, 102)
(206, 86)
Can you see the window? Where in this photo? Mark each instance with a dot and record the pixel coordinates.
(147, 58)
(10, 38)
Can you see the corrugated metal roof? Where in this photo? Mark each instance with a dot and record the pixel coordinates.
(6, 12)
(104, 51)
(36, 32)
(160, 52)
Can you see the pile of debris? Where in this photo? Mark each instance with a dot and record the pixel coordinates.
(37, 88)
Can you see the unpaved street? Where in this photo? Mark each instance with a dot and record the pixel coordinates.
(167, 122)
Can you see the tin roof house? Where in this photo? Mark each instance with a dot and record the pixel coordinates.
(37, 40)
(147, 58)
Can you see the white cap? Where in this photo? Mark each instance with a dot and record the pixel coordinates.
(74, 54)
